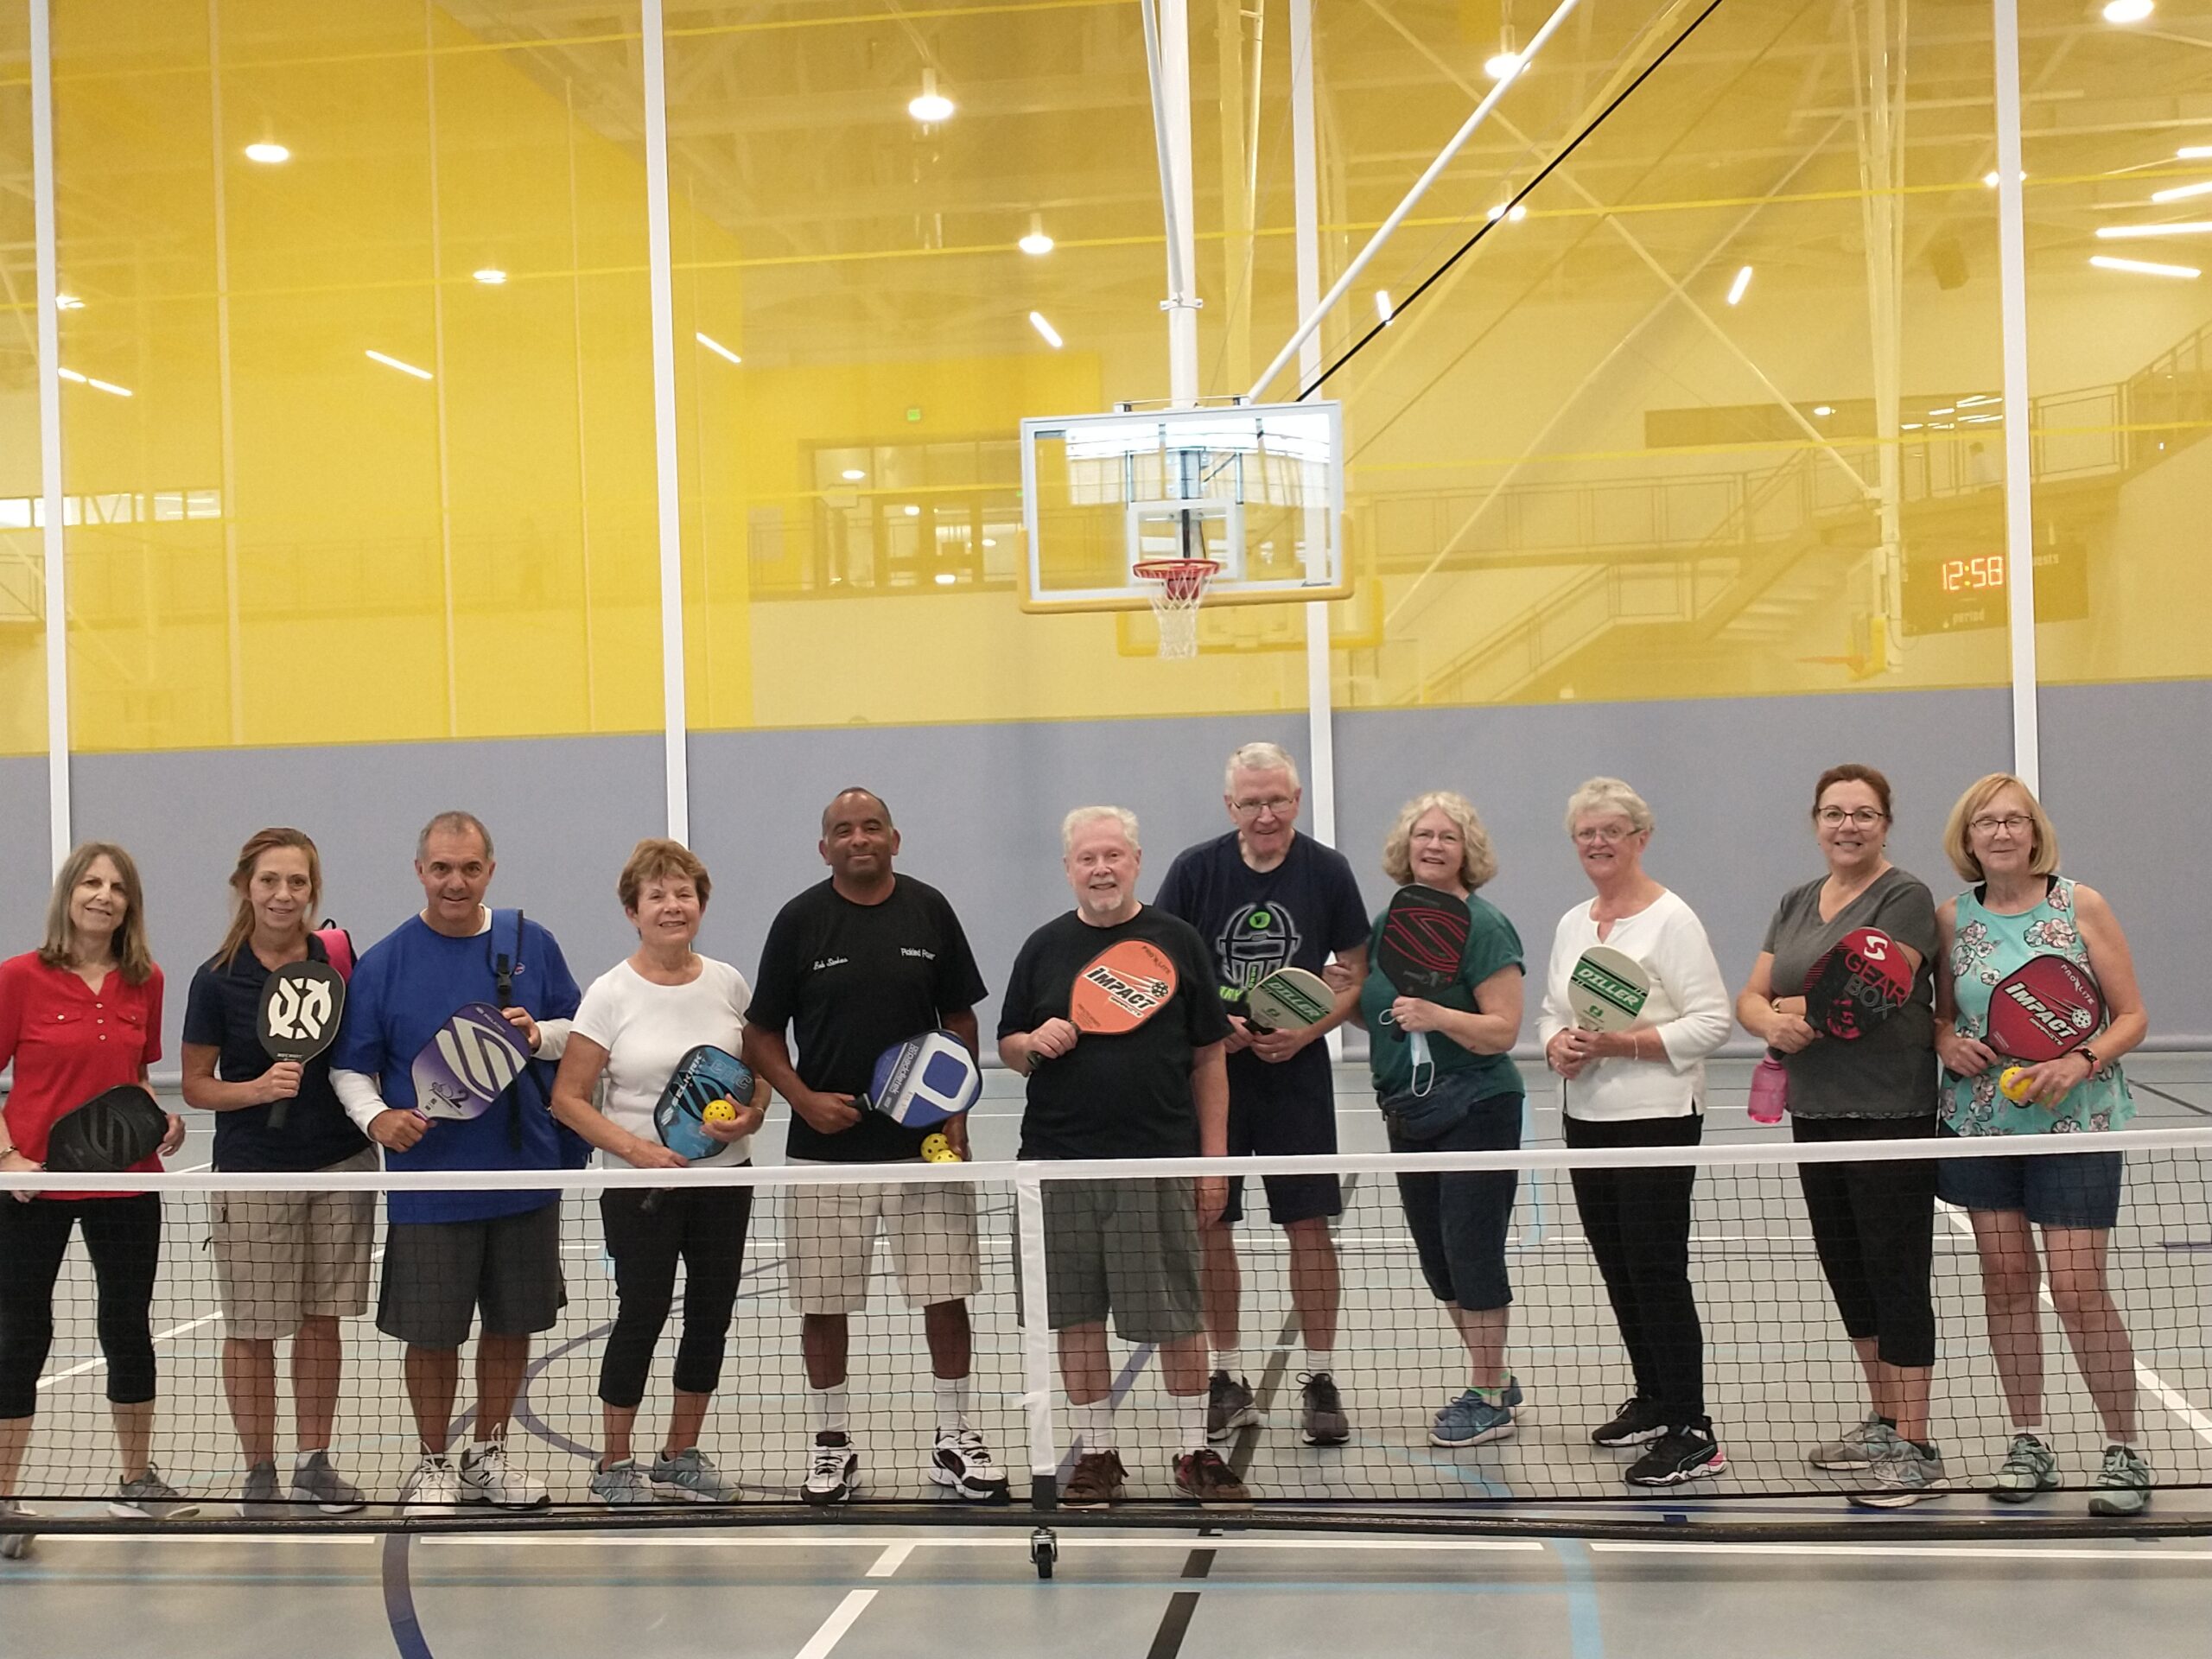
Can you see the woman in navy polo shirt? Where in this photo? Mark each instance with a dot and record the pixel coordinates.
(288, 1264)
(79, 1015)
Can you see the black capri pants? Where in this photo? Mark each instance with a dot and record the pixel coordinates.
(1874, 1226)
(123, 1238)
(1637, 1222)
(1460, 1218)
(702, 1227)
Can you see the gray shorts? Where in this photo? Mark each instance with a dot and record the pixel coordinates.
(283, 1258)
(1127, 1248)
(437, 1274)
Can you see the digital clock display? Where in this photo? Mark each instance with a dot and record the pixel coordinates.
(1972, 576)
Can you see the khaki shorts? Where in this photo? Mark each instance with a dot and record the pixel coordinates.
(1129, 1248)
(282, 1258)
(830, 1239)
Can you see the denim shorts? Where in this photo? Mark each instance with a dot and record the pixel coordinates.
(2060, 1189)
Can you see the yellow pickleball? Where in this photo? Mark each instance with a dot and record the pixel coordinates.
(719, 1111)
(936, 1149)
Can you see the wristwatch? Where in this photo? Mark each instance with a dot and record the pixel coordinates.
(2090, 1055)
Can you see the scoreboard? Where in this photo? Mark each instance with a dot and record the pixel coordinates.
(1949, 590)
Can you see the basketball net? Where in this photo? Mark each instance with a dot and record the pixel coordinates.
(1178, 585)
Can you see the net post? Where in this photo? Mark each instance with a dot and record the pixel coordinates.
(1036, 1343)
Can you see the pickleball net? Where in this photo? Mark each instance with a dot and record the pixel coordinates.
(1779, 1373)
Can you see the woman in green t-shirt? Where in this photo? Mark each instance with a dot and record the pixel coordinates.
(1459, 1220)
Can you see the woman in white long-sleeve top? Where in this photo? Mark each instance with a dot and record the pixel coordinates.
(1641, 1087)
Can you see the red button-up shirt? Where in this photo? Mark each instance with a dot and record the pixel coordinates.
(69, 1043)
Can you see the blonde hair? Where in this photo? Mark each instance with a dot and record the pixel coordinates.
(1958, 838)
(654, 858)
(1259, 757)
(1478, 859)
(266, 841)
(1085, 815)
(1608, 795)
(132, 959)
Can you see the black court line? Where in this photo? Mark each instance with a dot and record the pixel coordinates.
(2149, 1089)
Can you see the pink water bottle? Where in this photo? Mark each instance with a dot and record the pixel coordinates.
(1770, 1089)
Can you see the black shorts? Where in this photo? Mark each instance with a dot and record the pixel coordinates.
(1287, 1125)
(438, 1273)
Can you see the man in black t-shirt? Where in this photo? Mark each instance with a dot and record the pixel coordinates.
(1125, 1247)
(1265, 897)
(862, 961)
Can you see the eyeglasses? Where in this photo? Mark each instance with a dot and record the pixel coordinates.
(1592, 834)
(2012, 823)
(1274, 804)
(1865, 817)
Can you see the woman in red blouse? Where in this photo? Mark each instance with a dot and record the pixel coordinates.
(81, 1015)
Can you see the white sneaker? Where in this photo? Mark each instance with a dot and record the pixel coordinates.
(13, 1546)
(433, 1489)
(833, 1469)
(962, 1461)
(486, 1476)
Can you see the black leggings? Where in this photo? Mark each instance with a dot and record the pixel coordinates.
(703, 1229)
(123, 1238)
(1637, 1222)
(1874, 1226)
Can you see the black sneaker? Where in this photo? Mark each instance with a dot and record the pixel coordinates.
(1637, 1423)
(1322, 1409)
(1678, 1455)
(1229, 1405)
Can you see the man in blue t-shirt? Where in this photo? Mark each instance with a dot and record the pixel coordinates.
(1264, 897)
(449, 1254)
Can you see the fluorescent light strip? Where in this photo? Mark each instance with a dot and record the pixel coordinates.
(1736, 288)
(2183, 191)
(2143, 267)
(107, 386)
(2194, 153)
(2179, 227)
(1052, 335)
(717, 348)
(394, 363)
(1382, 308)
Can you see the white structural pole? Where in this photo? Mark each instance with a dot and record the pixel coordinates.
(2012, 314)
(1313, 318)
(674, 718)
(1167, 52)
(1305, 194)
(52, 541)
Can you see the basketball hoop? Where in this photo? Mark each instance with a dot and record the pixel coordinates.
(1179, 586)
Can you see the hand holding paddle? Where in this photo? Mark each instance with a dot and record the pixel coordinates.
(1051, 1040)
(2041, 1015)
(1423, 939)
(300, 1006)
(1606, 991)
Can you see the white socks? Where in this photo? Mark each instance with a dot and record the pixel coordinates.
(1229, 1362)
(1095, 1422)
(1190, 1419)
(1319, 1361)
(832, 1416)
(954, 1394)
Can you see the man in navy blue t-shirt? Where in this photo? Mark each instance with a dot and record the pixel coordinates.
(1264, 897)
(450, 1253)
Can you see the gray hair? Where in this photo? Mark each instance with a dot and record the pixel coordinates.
(1603, 795)
(1259, 757)
(1088, 814)
(452, 824)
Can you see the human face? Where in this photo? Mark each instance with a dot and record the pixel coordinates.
(2002, 835)
(1853, 843)
(1101, 867)
(454, 872)
(96, 907)
(1610, 847)
(1437, 852)
(858, 841)
(668, 911)
(1263, 805)
(282, 891)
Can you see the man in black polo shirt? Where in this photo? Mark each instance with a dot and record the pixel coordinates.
(865, 960)
(1265, 897)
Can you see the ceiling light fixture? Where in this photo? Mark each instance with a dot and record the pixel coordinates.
(946, 578)
(2145, 267)
(1504, 63)
(2179, 227)
(2194, 153)
(852, 475)
(1823, 410)
(1052, 335)
(2183, 191)
(911, 512)
(2127, 11)
(267, 154)
(718, 348)
(67, 303)
(930, 105)
(1382, 304)
(1990, 178)
(491, 276)
(1736, 288)
(1037, 244)
(394, 363)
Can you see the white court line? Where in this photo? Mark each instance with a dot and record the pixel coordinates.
(848, 1612)
(2121, 1551)
(2173, 1398)
(890, 1561)
(95, 1364)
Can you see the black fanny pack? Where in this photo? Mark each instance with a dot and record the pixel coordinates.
(1442, 1109)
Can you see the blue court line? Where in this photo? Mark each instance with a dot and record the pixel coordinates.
(399, 1600)
(1585, 1629)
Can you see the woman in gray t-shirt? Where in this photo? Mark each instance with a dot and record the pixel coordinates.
(1873, 1222)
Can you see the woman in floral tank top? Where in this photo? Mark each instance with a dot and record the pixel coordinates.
(2020, 907)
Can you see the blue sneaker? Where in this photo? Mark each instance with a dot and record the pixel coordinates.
(1475, 1417)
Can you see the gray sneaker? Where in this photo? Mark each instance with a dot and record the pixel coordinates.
(313, 1481)
(2123, 1484)
(1229, 1405)
(1899, 1474)
(1849, 1450)
(2029, 1467)
(1322, 1410)
(150, 1498)
(261, 1499)
(689, 1476)
(620, 1485)
(14, 1545)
